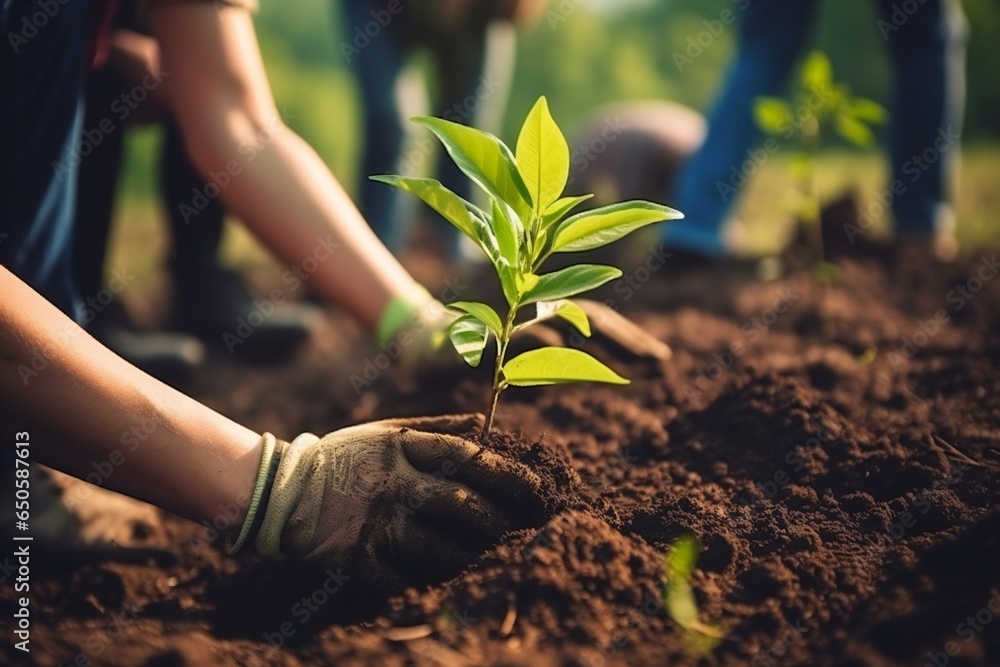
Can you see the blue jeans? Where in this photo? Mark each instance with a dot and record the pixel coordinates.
(927, 51)
(41, 113)
(459, 65)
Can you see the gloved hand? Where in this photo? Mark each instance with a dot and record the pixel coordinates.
(391, 502)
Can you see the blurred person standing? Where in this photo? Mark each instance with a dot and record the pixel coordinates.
(927, 48)
(471, 46)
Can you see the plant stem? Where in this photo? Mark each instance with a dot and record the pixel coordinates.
(498, 386)
(811, 191)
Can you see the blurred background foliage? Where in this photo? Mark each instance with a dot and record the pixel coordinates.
(598, 51)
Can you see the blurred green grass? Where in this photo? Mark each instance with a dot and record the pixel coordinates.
(140, 241)
(603, 52)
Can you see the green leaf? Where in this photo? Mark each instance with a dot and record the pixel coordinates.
(481, 312)
(508, 281)
(542, 156)
(817, 73)
(679, 596)
(854, 131)
(526, 282)
(508, 232)
(681, 559)
(453, 208)
(469, 335)
(772, 115)
(567, 310)
(826, 273)
(487, 239)
(593, 229)
(868, 111)
(570, 281)
(557, 365)
(560, 207)
(484, 159)
(800, 166)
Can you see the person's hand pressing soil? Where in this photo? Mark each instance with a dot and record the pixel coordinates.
(394, 501)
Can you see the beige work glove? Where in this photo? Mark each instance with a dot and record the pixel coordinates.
(390, 502)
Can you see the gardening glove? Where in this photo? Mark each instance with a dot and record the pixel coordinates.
(413, 331)
(392, 502)
(416, 333)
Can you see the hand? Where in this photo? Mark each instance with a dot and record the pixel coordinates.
(394, 502)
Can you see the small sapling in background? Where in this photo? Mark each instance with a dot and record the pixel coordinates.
(527, 222)
(678, 596)
(817, 105)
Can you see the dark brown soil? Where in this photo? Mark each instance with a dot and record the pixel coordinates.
(844, 490)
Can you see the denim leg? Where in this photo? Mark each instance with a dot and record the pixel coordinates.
(460, 64)
(377, 68)
(41, 74)
(97, 183)
(927, 48)
(772, 33)
(196, 235)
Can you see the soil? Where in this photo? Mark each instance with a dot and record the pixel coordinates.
(838, 462)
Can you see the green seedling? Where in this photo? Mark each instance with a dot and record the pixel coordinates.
(678, 596)
(527, 222)
(817, 105)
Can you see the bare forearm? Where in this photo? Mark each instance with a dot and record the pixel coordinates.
(265, 174)
(83, 404)
(289, 198)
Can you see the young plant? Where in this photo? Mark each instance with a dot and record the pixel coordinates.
(678, 596)
(527, 222)
(817, 105)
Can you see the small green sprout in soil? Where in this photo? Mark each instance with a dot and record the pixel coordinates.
(678, 596)
(527, 221)
(817, 105)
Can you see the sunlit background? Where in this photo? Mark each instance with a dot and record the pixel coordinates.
(585, 53)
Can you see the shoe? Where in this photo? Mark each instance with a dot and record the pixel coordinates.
(170, 357)
(217, 308)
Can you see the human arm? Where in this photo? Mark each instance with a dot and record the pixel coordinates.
(79, 401)
(398, 501)
(281, 189)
